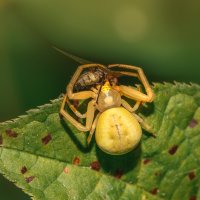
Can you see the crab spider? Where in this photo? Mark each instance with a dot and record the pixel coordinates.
(118, 128)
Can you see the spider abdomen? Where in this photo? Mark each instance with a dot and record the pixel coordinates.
(117, 131)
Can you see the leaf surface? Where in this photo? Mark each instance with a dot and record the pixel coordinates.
(49, 159)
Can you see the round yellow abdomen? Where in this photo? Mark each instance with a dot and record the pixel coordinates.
(117, 131)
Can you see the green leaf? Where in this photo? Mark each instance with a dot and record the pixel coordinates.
(49, 159)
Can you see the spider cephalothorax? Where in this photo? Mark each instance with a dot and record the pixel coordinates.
(117, 126)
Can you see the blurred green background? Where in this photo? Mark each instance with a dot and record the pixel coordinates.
(161, 36)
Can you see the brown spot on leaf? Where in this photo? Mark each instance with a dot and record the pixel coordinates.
(46, 139)
(23, 170)
(191, 175)
(1, 140)
(156, 173)
(193, 198)
(173, 149)
(29, 179)
(76, 161)
(11, 133)
(193, 123)
(118, 174)
(95, 165)
(66, 170)
(154, 191)
(146, 161)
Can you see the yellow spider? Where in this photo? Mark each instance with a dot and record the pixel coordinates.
(118, 129)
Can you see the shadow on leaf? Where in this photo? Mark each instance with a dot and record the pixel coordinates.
(117, 165)
(81, 145)
(147, 109)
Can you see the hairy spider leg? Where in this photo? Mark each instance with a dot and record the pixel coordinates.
(144, 125)
(89, 116)
(132, 93)
(93, 128)
(82, 94)
(74, 110)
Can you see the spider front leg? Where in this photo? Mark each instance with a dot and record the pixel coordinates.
(131, 93)
(135, 94)
(82, 94)
(74, 110)
(89, 116)
(128, 106)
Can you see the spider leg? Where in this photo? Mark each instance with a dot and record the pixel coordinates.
(82, 94)
(127, 105)
(144, 125)
(70, 94)
(89, 116)
(129, 108)
(134, 94)
(74, 110)
(93, 128)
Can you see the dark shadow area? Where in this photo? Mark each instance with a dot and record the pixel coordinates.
(119, 164)
(80, 145)
(147, 109)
